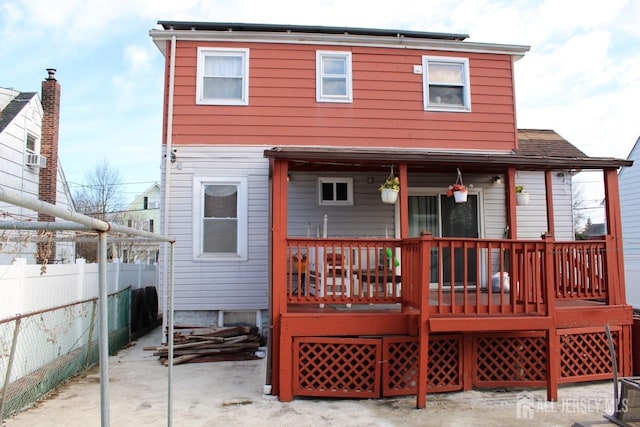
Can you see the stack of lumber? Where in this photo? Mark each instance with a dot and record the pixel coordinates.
(210, 344)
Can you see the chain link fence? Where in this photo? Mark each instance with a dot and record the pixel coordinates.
(40, 351)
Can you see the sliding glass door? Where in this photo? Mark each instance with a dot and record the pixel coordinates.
(443, 217)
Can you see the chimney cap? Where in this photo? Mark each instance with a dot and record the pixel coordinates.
(52, 73)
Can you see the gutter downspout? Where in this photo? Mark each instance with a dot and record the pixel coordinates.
(167, 181)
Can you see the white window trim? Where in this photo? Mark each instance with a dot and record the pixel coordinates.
(334, 180)
(205, 51)
(243, 217)
(348, 98)
(466, 92)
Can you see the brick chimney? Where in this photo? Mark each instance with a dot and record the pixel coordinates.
(49, 149)
(49, 141)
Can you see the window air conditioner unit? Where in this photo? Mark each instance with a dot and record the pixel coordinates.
(36, 161)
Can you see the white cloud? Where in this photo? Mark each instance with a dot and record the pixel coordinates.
(140, 64)
(580, 77)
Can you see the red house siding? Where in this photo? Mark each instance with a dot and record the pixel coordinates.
(387, 108)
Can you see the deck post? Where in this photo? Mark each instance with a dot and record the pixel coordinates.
(404, 201)
(467, 362)
(626, 351)
(548, 184)
(285, 371)
(423, 329)
(553, 363)
(553, 341)
(278, 270)
(512, 218)
(615, 264)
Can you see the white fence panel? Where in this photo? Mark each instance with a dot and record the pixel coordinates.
(11, 288)
(26, 288)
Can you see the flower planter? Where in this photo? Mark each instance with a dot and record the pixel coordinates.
(389, 195)
(522, 199)
(460, 196)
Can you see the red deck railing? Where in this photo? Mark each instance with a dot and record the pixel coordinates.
(580, 270)
(343, 271)
(462, 276)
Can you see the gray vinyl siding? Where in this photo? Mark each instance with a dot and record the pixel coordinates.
(630, 208)
(532, 218)
(563, 205)
(368, 217)
(220, 284)
(351, 221)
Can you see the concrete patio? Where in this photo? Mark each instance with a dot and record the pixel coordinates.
(232, 394)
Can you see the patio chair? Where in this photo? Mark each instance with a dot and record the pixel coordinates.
(331, 272)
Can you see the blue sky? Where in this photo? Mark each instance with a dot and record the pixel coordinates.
(580, 78)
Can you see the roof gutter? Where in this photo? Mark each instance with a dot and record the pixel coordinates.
(368, 40)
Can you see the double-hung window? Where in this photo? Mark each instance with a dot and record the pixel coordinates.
(220, 218)
(446, 83)
(223, 76)
(32, 144)
(333, 76)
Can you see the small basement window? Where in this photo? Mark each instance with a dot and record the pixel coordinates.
(335, 191)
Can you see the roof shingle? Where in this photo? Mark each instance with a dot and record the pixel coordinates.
(14, 107)
(545, 143)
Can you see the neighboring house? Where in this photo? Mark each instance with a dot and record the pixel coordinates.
(143, 214)
(279, 137)
(596, 231)
(630, 206)
(29, 165)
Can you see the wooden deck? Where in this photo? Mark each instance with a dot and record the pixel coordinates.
(354, 314)
(374, 308)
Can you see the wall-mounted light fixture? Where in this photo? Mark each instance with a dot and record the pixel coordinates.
(497, 179)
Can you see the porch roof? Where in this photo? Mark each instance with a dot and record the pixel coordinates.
(538, 150)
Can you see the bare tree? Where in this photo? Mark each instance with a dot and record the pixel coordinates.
(100, 197)
(101, 194)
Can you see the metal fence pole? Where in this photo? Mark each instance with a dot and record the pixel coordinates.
(104, 328)
(7, 376)
(170, 336)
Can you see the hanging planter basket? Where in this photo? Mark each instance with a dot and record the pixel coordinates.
(389, 195)
(460, 196)
(390, 189)
(522, 199)
(458, 190)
